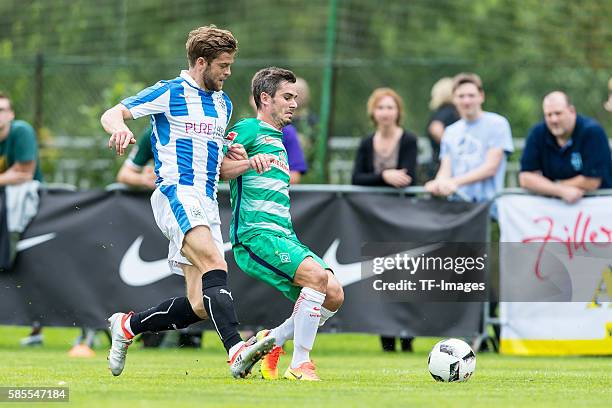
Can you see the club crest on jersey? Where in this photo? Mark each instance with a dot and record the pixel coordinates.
(196, 213)
(284, 257)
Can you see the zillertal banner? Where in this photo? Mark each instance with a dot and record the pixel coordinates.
(555, 276)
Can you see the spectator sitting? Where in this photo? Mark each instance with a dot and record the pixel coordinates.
(567, 154)
(388, 156)
(473, 150)
(18, 165)
(444, 114)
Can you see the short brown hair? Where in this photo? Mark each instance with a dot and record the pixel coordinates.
(8, 98)
(268, 80)
(380, 93)
(209, 42)
(467, 78)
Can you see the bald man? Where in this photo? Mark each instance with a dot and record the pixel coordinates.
(566, 155)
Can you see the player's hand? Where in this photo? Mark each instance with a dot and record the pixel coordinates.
(121, 139)
(236, 152)
(397, 178)
(148, 177)
(571, 194)
(261, 162)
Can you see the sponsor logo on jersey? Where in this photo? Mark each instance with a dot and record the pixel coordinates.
(279, 164)
(284, 257)
(206, 128)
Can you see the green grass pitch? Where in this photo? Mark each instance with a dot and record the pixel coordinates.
(354, 370)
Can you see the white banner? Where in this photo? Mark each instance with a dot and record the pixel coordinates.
(555, 275)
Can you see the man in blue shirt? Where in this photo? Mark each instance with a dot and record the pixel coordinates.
(474, 149)
(567, 154)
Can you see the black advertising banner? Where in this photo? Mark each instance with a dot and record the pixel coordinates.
(89, 254)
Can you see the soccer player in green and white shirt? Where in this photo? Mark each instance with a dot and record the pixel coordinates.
(264, 243)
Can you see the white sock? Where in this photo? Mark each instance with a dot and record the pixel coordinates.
(306, 316)
(283, 332)
(234, 349)
(325, 314)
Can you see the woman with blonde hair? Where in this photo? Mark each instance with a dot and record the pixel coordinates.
(608, 103)
(444, 114)
(387, 156)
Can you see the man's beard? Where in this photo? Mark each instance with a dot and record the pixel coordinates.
(209, 83)
(281, 122)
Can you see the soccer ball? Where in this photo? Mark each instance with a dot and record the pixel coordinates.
(451, 360)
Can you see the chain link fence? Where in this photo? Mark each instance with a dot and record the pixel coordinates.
(62, 79)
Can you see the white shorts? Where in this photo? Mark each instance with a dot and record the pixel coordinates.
(177, 209)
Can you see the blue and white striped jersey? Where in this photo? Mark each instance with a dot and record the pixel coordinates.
(188, 131)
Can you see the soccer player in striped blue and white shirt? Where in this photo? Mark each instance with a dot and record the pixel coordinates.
(189, 115)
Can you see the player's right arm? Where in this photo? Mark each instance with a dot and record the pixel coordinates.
(113, 121)
(230, 169)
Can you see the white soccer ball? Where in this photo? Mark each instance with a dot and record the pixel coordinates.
(451, 360)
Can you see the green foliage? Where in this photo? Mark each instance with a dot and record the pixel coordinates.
(521, 49)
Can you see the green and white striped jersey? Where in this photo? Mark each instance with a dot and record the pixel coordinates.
(260, 202)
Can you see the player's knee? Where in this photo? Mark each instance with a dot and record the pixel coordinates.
(218, 263)
(197, 304)
(318, 279)
(334, 297)
(212, 261)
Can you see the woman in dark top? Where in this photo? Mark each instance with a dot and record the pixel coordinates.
(387, 157)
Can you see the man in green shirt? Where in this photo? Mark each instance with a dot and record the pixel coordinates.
(18, 148)
(18, 164)
(264, 243)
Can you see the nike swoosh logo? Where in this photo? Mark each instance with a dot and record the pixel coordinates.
(134, 271)
(351, 273)
(33, 241)
(297, 377)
